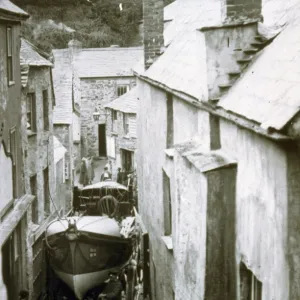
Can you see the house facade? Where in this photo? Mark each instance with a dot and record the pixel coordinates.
(105, 74)
(121, 132)
(65, 117)
(37, 101)
(218, 152)
(15, 207)
(92, 77)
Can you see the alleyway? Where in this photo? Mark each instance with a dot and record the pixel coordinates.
(99, 167)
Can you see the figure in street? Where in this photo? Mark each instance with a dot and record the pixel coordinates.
(106, 175)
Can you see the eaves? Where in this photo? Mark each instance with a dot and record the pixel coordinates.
(220, 112)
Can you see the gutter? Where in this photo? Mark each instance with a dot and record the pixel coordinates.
(221, 112)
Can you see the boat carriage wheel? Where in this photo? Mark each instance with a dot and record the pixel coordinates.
(107, 205)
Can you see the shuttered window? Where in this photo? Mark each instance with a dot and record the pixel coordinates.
(9, 43)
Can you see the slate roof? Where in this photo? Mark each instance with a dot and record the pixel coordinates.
(126, 103)
(107, 62)
(269, 91)
(7, 6)
(62, 81)
(29, 56)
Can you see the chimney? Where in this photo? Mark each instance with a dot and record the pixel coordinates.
(241, 9)
(74, 47)
(153, 11)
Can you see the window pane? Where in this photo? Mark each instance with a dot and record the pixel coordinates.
(9, 41)
(46, 109)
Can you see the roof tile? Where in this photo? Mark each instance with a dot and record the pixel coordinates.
(107, 62)
(127, 103)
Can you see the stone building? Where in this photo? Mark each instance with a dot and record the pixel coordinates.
(37, 101)
(15, 204)
(121, 131)
(66, 116)
(218, 151)
(87, 79)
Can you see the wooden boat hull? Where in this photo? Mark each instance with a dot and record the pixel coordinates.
(84, 259)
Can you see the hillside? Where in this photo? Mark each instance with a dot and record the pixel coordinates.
(96, 23)
(99, 23)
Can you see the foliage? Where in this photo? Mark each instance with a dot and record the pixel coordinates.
(100, 23)
(97, 23)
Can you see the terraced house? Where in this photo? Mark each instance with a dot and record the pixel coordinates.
(86, 79)
(218, 150)
(15, 204)
(37, 114)
(121, 132)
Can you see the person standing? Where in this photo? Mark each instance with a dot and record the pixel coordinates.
(119, 176)
(106, 175)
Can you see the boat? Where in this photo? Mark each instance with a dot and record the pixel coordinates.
(86, 246)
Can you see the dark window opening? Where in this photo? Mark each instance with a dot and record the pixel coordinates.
(31, 111)
(170, 121)
(34, 205)
(46, 110)
(215, 140)
(13, 151)
(46, 192)
(122, 89)
(250, 286)
(9, 42)
(125, 123)
(167, 204)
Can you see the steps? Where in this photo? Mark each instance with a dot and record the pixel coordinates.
(256, 45)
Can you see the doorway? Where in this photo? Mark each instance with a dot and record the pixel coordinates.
(127, 160)
(102, 140)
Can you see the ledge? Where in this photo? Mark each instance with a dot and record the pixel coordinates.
(13, 218)
(170, 152)
(31, 133)
(167, 239)
(10, 83)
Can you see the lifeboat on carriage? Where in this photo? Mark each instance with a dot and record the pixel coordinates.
(84, 248)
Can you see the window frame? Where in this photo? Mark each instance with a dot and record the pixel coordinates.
(126, 123)
(46, 118)
(122, 89)
(32, 122)
(9, 54)
(170, 121)
(167, 203)
(34, 205)
(13, 152)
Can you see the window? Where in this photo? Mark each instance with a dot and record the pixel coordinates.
(31, 111)
(9, 43)
(34, 205)
(122, 89)
(46, 110)
(46, 191)
(13, 151)
(127, 160)
(170, 124)
(167, 204)
(250, 287)
(125, 124)
(214, 123)
(114, 118)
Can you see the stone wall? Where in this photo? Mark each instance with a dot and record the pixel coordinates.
(153, 16)
(95, 93)
(235, 9)
(40, 152)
